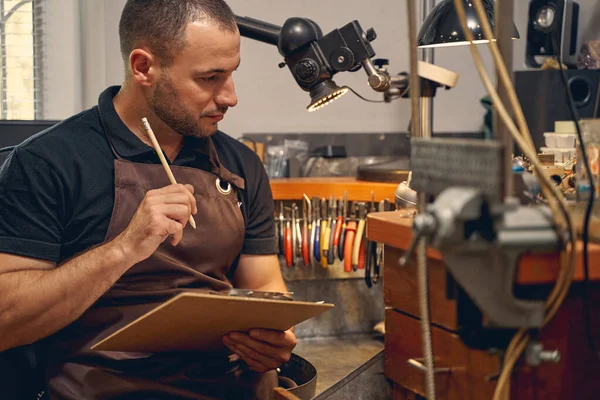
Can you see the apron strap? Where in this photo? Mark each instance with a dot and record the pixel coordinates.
(223, 173)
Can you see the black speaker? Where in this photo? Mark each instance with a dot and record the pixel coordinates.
(552, 31)
(544, 99)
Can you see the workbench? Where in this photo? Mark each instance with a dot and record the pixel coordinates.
(471, 373)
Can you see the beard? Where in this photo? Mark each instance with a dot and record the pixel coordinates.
(164, 103)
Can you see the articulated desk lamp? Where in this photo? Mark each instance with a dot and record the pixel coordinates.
(314, 59)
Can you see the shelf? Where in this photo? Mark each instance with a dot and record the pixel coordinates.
(294, 188)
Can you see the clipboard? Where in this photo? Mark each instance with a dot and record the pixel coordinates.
(198, 322)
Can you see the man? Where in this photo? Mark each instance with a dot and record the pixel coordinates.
(93, 236)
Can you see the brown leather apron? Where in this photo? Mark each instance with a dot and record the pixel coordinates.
(200, 262)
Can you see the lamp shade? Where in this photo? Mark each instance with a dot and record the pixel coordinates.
(442, 27)
(325, 93)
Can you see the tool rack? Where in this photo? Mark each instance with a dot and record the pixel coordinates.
(321, 227)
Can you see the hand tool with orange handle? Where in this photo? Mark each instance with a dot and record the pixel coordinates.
(325, 236)
(349, 239)
(288, 243)
(332, 250)
(306, 226)
(342, 240)
(359, 235)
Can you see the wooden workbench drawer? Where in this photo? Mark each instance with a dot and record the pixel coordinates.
(401, 288)
(468, 368)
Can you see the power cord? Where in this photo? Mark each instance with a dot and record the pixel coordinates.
(395, 97)
(555, 197)
(590, 204)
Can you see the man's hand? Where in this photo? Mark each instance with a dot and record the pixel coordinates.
(263, 350)
(163, 212)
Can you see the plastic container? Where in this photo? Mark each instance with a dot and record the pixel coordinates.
(566, 140)
(550, 139)
(560, 140)
(565, 127)
(561, 155)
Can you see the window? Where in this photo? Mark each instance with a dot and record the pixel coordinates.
(20, 59)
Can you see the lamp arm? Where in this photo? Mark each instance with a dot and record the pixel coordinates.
(379, 79)
(258, 30)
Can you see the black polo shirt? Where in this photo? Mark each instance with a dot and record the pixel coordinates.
(57, 187)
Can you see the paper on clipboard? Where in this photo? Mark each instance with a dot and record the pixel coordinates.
(198, 321)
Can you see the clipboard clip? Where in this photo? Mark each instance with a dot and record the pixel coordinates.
(257, 294)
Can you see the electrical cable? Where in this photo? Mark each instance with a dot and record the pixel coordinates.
(553, 196)
(565, 276)
(590, 203)
(395, 97)
(415, 94)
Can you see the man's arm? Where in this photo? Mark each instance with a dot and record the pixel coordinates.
(263, 350)
(37, 298)
(259, 273)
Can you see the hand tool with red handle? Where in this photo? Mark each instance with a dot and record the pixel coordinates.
(349, 240)
(288, 243)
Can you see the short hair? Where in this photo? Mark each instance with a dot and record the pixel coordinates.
(161, 24)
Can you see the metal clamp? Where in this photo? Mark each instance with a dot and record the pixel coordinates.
(417, 363)
(423, 226)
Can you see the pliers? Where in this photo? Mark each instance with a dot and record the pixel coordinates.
(281, 230)
(332, 248)
(339, 224)
(342, 237)
(306, 228)
(349, 239)
(359, 237)
(375, 253)
(289, 254)
(294, 235)
(317, 238)
(324, 239)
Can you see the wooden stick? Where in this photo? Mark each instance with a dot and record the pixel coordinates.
(163, 160)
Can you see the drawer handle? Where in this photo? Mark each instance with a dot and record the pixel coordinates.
(417, 363)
